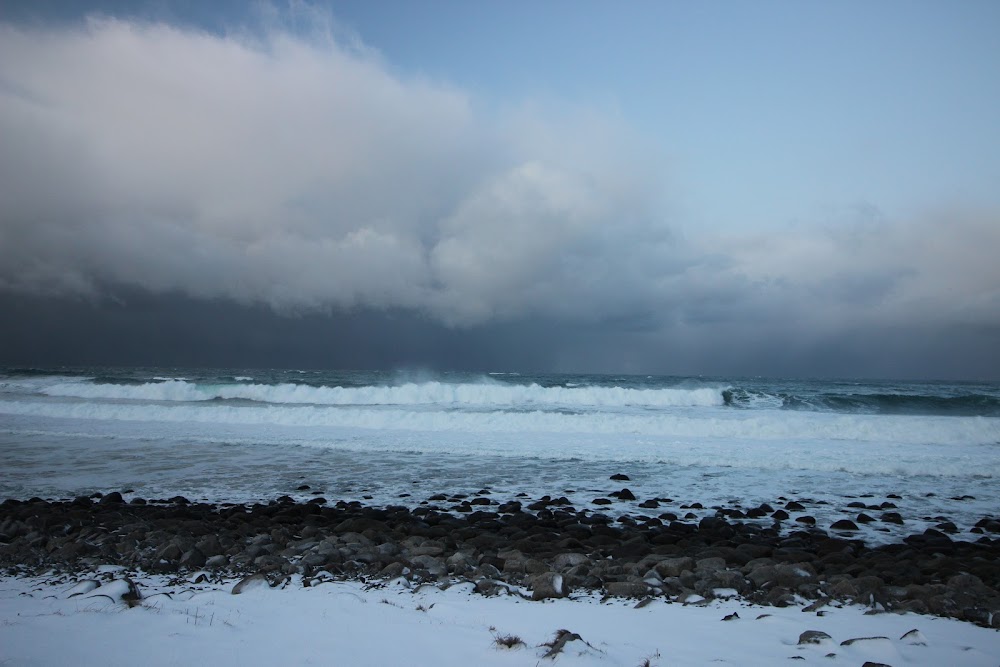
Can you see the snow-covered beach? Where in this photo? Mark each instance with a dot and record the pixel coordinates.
(349, 623)
(101, 581)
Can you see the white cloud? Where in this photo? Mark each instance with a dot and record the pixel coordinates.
(286, 170)
(305, 174)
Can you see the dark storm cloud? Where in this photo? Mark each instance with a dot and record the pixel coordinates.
(264, 173)
(297, 173)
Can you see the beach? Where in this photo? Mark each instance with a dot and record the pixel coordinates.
(491, 519)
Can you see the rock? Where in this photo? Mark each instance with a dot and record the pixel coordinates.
(673, 567)
(269, 562)
(619, 477)
(844, 524)
(548, 585)
(170, 553)
(627, 589)
(710, 565)
(83, 587)
(113, 498)
(779, 596)
(988, 525)
(892, 517)
(394, 570)
(817, 605)
(861, 641)
(730, 579)
(118, 590)
(624, 494)
(258, 580)
(566, 561)
(815, 637)
(601, 501)
(209, 545)
(434, 565)
(193, 558)
(491, 587)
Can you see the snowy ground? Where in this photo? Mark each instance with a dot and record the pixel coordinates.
(61, 621)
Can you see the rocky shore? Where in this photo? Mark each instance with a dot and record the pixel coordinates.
(545, 548)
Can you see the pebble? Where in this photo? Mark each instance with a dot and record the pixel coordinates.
(501, 548)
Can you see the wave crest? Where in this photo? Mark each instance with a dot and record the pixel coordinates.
(425, 393)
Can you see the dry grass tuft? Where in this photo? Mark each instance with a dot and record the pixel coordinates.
(508, 641)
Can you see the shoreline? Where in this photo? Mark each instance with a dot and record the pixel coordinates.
(542, 550)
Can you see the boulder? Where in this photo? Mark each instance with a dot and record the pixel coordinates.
(627, 589)
(815, 637)
(258, 580)
(548, 585)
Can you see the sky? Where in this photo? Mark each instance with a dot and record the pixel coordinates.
(768, 188)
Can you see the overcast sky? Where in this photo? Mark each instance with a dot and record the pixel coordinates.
(776, 188)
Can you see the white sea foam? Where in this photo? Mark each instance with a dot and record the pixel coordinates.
(425, 393)
(239, 439)
(735, 426)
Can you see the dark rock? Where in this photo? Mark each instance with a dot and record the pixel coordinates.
(619, 477)
(258, 580)
(627, 589)
(193, 558)
(862, 640)
(673, 567)
(548, 585)
(814, 637)
(170, 553)
(844, 524)
(113, 498)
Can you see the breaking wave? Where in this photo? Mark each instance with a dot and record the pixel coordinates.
(735, 426)
(426, 393)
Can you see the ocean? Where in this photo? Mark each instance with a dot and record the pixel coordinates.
(251, 435)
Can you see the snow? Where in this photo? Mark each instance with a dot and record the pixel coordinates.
(180, 622)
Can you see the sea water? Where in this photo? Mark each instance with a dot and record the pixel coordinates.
(250, 435)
